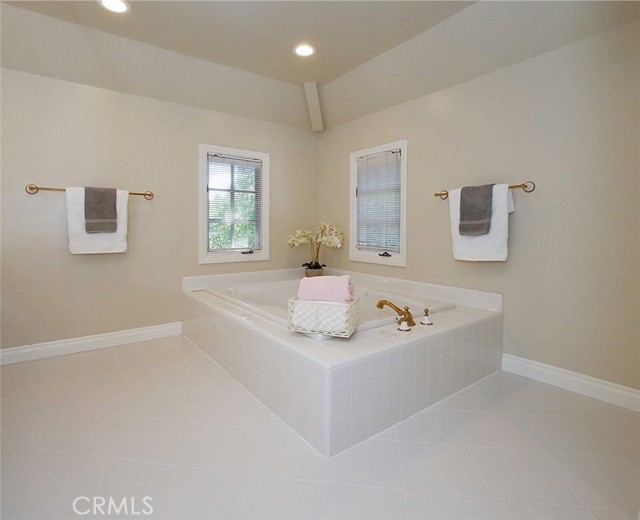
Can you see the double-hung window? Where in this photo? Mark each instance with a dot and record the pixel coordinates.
(234, 211)
(378, 204)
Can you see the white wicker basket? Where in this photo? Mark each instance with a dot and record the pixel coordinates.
(328, 318)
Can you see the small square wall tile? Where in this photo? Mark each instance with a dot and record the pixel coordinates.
(434, 366)
(456, 355)
(422, 370)
(377, 366)
(434, 387)
(340, 403)
(341, 428)
(456, 378)
(394, 361)
(476, 329)
(392, 417)
(302, 416)
(360, 372)
(360, 396)
(409, 376)
(421, 394)
(393, 405)
(341, 379)
(457, 337)
(394, 382)
(445, 361)
(360, 420)
(446, 383)
(377, 412)
(377, 389)
(422, 349)
(409, 398)
(408, 356)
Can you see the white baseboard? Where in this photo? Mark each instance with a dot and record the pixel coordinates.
(581, 384)
(85, 343)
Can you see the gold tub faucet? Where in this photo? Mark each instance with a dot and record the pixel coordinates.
(405, 314)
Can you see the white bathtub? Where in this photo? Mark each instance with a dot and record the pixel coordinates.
(269, 300)
(339, 392)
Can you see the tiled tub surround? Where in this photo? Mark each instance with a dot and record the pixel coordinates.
(340, 392)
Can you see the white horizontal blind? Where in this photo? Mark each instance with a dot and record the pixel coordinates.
(234, 189)
(378, 201)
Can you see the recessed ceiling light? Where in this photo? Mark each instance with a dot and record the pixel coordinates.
(116, 6)
(304, 49)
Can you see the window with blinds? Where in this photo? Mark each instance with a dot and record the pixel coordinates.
(234, 188)
(378, 201)
(378, 204)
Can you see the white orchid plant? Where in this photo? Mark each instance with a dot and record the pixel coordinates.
(323, 235)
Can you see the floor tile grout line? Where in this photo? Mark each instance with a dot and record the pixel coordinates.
(475, 462)
(531, 437)
(566, 483)
(402, 477)
(614, 452)
(178, 465)
(65, 430)
(277, 477)
(68, 485)
(577, 451)
(546, 455)
(256, 448)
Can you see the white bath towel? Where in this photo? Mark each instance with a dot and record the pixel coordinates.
(81, 242)
(483, 248)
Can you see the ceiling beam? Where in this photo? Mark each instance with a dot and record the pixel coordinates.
(313, 102)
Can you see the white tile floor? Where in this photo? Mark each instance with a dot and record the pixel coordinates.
(160, 419)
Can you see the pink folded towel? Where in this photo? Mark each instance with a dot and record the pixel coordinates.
(326, 289)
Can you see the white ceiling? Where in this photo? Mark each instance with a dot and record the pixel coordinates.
(258, 36)
(398, 50)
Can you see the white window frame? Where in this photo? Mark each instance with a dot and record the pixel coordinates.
(364, 255)
(215, 257)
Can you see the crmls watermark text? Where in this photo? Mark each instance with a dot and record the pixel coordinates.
(112, 506)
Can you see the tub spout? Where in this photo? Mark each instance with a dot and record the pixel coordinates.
(404, 314)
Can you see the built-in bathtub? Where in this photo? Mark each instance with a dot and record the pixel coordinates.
(342, 391)
(269, 299)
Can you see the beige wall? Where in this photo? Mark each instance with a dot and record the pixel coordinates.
(569, 120)
(56, 133)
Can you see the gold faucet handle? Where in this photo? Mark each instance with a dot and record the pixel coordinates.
(409, 316)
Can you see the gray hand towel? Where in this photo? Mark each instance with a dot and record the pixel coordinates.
(475, 209)
(100, 213)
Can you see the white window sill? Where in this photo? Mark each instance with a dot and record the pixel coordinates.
(373, 257)
(225, 257)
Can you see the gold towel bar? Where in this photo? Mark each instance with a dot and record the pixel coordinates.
(32, 189)
(527, 187)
